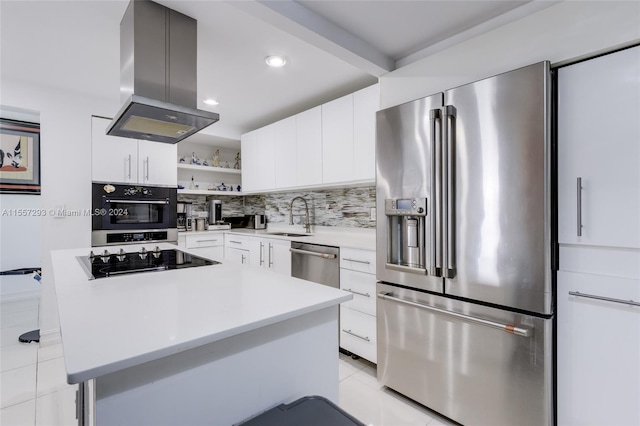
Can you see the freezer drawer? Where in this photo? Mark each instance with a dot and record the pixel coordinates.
(474, 364)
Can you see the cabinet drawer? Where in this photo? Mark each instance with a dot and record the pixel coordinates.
(358, 333)
(237, 241)
(363, 287)
(196, 241)
(598, 351)
(358, 260)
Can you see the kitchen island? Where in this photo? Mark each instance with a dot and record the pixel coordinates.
(205, 345)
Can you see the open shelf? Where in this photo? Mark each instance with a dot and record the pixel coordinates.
(208, 169)
(207, 192)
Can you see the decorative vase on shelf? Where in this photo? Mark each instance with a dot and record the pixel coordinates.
(237, 164)
(193, 185)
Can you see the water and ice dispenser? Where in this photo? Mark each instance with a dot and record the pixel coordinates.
(406, 233)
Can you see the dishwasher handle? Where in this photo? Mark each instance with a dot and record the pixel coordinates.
(313, 253)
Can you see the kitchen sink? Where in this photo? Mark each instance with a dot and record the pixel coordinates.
(288, 234)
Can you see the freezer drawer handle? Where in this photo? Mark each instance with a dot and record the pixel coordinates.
(356, 335)
(606, 299)
(357, 292)
(366, 262)
(313, 253)
(509, 328)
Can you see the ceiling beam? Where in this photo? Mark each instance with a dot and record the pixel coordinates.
(318, 31)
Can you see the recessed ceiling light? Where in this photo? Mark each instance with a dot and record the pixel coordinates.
(211, 102)
(275, 61)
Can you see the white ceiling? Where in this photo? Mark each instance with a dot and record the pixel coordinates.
(332, 47)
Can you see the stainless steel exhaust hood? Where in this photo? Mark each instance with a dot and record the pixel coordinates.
(158, 70)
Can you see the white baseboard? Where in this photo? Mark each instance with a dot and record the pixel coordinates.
(49, 337)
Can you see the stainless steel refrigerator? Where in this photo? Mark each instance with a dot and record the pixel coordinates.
(465, 305)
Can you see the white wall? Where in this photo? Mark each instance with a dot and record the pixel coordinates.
(65, 126)
(564, 32)
(20, 245)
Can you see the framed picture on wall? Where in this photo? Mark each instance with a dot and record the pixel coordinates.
(19, 157)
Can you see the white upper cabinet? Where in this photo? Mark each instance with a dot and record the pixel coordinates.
(250, 163)
(157, 162)
(113, 159)
(599, 142)
(365, 104)
(309, 147)
(124, 160)
(265, 141)
(337, 140)
(330, 144)
(285, 152)
(258, 159)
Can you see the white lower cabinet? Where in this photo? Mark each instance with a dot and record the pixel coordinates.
(598, 350)
(237, 249)
(235, 255)
(358, 333)
(358, 316)
(272, 254)
(363, 287)
(209, 246)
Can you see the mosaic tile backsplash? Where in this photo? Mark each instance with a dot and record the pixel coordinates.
(345, 207)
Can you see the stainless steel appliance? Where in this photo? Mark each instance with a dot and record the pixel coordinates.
(183, 210)
(257, 221)
(215, 212)
(317, 263)
(158, 62)
(127, 214)
(105, 264)
(465, 307)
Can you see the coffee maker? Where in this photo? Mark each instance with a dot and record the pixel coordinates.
(184, 212)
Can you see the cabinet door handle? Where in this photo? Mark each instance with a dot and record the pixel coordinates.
(366, 262)
(357, 292)
(206, 241)
(261, 253)
(235, 242)
(147, 168)
(606, 299)
(243, 259)
(579, 206)
(356, 335)
(129, 176)
(270, 256)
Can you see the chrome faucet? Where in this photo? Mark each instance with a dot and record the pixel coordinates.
(307, 225)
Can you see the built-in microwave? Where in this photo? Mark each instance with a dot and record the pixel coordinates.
(127, 214)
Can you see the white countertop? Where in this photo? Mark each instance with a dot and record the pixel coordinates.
(114, 323)
(358, 238)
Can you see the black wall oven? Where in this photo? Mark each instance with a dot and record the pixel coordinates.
(127, 214)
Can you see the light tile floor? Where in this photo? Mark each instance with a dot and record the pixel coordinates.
(33, 388)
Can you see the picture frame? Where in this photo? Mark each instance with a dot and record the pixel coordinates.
(19, 157)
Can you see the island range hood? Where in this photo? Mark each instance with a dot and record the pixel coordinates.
(158, 70)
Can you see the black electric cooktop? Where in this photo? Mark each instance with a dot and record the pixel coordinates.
(104, 264)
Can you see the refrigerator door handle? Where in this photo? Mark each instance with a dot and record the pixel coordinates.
(433, 206)
(509, 328)
(448, 190)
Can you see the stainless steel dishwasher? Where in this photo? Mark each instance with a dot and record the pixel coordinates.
(317, 263)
